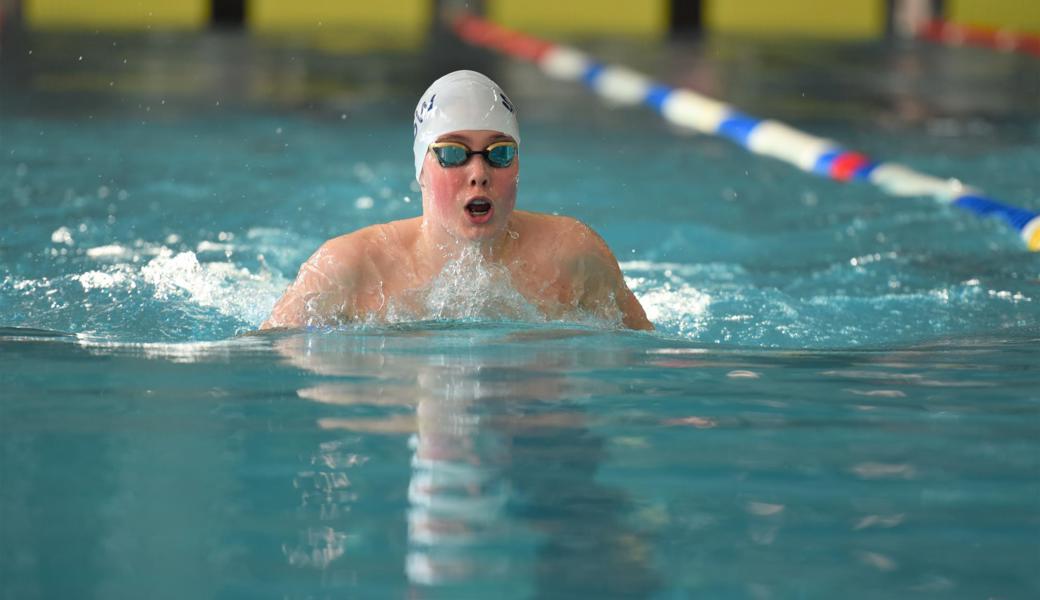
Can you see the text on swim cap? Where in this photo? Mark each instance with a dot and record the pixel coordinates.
(505, 102)
(420, 114)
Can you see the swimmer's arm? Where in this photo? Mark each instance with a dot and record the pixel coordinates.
(321, 292)
(602, 280)
(633, 315)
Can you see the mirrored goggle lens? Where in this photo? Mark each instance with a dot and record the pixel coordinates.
(501, 155)
(451, 156)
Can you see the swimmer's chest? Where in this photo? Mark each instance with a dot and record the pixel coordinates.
(541, 282)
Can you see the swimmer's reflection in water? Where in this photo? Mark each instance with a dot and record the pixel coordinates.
(502, 492)
(467, 164)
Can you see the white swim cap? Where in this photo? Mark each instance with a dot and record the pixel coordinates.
(458, 101)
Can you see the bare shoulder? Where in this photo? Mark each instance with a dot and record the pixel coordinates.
(334, 283)
(569, 237)
(369, 245)
(360, 239)
(588, 265)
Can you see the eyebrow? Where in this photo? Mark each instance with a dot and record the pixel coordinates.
(458, 138)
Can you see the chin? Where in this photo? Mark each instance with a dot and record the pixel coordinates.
(477, 235)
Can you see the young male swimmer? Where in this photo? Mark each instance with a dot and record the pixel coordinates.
(467, 164)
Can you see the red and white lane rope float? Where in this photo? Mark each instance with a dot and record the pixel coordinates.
(687, 108)
(1004, 40)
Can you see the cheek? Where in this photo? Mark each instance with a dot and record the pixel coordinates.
(437, 184)
(443, 185)
(506, 181)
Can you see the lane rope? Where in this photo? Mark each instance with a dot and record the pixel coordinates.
(942, 31)
(686, 108)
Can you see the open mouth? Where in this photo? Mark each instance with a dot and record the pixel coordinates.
(478, 207)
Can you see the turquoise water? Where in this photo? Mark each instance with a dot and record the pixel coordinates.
(841, 397)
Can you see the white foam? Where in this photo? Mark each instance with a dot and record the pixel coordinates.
(683, 309)
(470, 287)
(28, 284)
(100, 280)
(207, 246)
(110, 251)
(180, 352)
(62, 235)
(232, 290)
(262, 232)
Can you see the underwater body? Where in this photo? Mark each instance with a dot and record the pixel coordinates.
(840, 397)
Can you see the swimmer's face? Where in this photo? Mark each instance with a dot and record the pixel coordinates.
(475, 200)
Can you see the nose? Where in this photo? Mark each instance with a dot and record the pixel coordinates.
(479, 172)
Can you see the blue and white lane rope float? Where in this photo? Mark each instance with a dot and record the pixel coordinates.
(689, 109)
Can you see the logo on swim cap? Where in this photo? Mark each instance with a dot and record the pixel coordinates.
(461, 101)
(420, 113)
(505, 102)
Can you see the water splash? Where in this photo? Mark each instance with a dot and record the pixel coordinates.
(469, 287)
(142, 292)
(232, 290)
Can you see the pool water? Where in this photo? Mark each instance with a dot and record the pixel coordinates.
(840, 397)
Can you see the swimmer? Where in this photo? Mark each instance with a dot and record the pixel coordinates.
(467, 164)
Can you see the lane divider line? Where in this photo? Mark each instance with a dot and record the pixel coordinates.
(686, 108)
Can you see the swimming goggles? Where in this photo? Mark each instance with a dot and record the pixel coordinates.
(454, 154)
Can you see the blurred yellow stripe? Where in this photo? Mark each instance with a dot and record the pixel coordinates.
(289, 15)
(849, 19)
(644, 18)
(1020, 15)
(344, 26)
(116, 14)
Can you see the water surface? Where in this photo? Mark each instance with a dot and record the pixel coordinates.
(840, 397)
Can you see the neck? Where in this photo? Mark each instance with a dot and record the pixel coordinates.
(440, 246)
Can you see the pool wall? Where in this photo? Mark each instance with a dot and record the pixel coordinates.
(411, 19)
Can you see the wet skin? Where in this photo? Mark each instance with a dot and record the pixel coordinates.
(557, 263)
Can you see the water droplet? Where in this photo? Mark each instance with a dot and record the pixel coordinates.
(62, 235)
